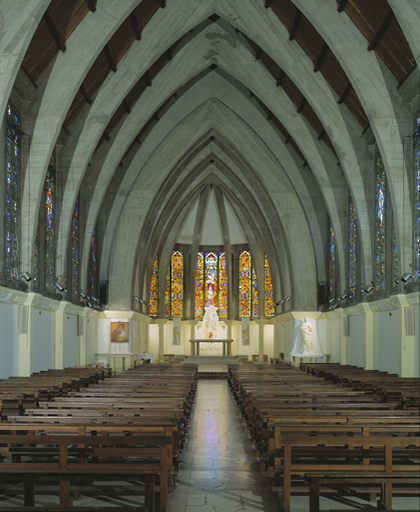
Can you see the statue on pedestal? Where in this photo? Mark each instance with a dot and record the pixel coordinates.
(210, 322)
(306, 331)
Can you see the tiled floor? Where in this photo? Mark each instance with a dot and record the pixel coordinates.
(219, 471)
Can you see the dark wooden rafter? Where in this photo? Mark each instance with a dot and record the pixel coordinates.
(341, 5)
(55, 33)
(86, 95)
(301, 105)
(280, 78)
(321, 57)
(156, 116)
(29, 77)
(136, 26)
(288, 139)
(126, 106)
(258, 53)
(267, 3)
(112, 62)
(92, 5)
(162, 3)
(168, 54)
(295, 25)
(147, 79)
(381, 31)
(345, 93)
(137, 139)
(270, 116)
(107, 136)
(321, 135)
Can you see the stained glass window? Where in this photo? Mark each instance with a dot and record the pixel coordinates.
(167, 306)
(395, 271)
(380, 245)
(417, 202)
(245, 284)
(269, 299)
(211, 279)
(333, 268)
(75, 252)
(12, 221)
(154, 289)
(352, 248)
(199, 280)
(254, 301)
(35, 266)
(50, 227)
(93, 265)
(177, 284)
(223, 294)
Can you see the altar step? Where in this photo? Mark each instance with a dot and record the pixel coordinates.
(213, 367)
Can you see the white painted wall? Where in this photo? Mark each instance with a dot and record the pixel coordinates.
(42, 340)
(269, 341)
(91, 340)
(9, 342)
(329, 332)
(356, 341)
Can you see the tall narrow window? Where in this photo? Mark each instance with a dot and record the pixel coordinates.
(223, 293)
(211, 280)
(12, 220)
(380, 245)
(75, 252)
(245, 283)
(333, 269)
(254, 300)
(50, 227)
(199, 280)
(167, 305)
(417, 203)
(352, 248)
(177, 284)
(395, 271)
(269, 298)
(154, 289)
(93, 266)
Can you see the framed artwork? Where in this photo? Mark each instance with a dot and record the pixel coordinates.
(119, 332)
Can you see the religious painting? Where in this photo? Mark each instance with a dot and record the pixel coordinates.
(119, 332)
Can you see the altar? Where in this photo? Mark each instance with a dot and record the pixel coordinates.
(225, 343)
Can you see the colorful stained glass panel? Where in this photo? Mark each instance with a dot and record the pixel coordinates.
(417, 202)
(380, 228)
(245, 283)
(269, 298)
(50, 227)
(332, 273)
(352, 248)
(154, 288)
(211, 279)
(199, 286)
(177, 284)
(75, 252)
(223, 293)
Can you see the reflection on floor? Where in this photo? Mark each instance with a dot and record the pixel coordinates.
(219, 471)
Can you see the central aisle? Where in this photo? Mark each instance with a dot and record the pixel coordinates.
(219, 471)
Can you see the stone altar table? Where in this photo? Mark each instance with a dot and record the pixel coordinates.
(196, 345)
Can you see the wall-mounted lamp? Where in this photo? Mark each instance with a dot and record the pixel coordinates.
(83, 295)
(369, 288)
(140, 300)
(27, 276)
(406, 277)
(344, 296)
(288, 298)
(61, 288)
(280, 302)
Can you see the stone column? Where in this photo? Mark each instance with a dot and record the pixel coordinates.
(369, 336)
(193, 324)
(25, 334)
(260, 324)
(405, 341)
(59, 336)
(161, 323)
(344, 339)
(81, 332)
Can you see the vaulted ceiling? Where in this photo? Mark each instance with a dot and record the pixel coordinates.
(164, 112)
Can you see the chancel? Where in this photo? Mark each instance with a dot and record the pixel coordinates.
(201, 191)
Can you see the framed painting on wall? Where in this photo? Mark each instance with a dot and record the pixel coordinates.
(119, 332)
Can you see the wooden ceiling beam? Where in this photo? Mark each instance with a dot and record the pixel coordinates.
(53, 29)
(301, 105)
(270, 116)
(168, 54)
(341, 5)
(136, 26)
(86, 95)
(321, 57)
(384, 25)
(126, 106)
(107, 136)
(288, 139)
(162, 3)
(258, 53)
(345, 93)
(267, 3)
(280, 78)
(147, 79)
(110, 58)
(92, 5)
(295, 25)
(321, 135)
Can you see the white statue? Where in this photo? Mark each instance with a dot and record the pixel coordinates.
(306, 331)
(210, 322)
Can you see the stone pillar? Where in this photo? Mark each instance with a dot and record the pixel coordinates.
(161, 324)
(59, 336)
(233, 347)
(369, 336)
(81, 333)
(25, 334)
(344, 339)
(406, 342)
(260, 340)
(188, 349)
